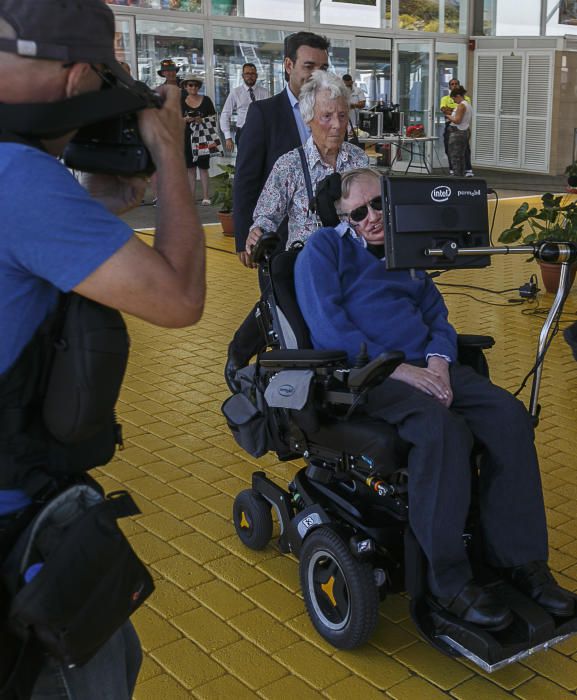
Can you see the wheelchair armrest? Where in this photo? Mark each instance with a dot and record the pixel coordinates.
(483, 342)
(302, 359)
(377, 370)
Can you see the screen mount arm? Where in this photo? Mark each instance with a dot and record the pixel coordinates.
(547, 251)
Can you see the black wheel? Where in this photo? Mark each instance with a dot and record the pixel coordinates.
(252, 519)
(340, 592)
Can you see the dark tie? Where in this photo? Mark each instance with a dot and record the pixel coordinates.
(251, 93)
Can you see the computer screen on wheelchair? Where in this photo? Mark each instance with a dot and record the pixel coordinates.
(422, 213)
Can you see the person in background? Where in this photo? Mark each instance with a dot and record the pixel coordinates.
(168, 70)
(195, 108)
(357, 99)
(459, 130)
(239, 100)
(348, 297)
(447, 106)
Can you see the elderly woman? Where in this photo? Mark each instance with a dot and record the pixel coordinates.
(324, 106)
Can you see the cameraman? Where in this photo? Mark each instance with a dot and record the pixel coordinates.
(59, 237)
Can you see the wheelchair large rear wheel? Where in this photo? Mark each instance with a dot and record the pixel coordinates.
(340, 592)
(252, 519)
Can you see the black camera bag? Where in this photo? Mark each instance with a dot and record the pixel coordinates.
(88, 582)
(90, 355)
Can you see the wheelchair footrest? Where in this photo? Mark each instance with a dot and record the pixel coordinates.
(532, 630)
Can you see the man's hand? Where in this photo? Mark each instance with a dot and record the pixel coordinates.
(229, 145)
(246, 260)
(440, 367)
(117, 194)
(163, 129)
(426, 380)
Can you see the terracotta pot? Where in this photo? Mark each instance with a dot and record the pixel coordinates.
(227, 223)
(551, 273)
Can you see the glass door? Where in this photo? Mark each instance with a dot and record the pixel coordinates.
(373, 69)
(413, 61)
(124, 40)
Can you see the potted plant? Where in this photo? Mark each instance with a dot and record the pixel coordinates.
(571, 172)
(553, 221)
(223, 198)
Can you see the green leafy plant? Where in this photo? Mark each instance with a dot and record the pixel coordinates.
(223, 188)
(553, 221)
(571, 172)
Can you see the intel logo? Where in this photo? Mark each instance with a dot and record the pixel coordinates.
(441, 194)
(286, 390)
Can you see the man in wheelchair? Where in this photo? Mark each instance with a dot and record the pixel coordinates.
(439, 407)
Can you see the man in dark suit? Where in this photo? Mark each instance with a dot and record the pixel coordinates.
(272, 128)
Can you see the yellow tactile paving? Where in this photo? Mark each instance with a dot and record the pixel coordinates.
(227, 622)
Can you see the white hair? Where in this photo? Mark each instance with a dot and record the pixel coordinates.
(320, 81)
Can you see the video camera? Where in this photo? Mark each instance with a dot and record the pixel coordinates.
(107, 140)
(114, 146)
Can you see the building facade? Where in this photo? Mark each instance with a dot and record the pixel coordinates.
(400, 51)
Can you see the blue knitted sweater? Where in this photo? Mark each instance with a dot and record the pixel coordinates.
(347, 297)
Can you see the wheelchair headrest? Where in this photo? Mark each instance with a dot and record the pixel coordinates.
(328, 192)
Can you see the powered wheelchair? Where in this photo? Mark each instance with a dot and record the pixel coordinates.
(345, 513)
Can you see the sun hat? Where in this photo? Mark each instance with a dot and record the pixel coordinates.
(191, 78)
(168, 64)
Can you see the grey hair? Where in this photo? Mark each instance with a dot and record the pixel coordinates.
(350, 176)
(320, 80)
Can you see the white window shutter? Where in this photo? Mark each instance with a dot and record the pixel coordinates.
(485, 109)
(537, 134)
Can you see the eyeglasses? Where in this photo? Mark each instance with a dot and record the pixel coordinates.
(360, 213)
(192, 85)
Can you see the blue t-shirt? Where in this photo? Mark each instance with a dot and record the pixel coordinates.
(53, 236)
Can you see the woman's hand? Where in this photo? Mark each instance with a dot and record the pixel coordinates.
(252, 239)
(426, 380)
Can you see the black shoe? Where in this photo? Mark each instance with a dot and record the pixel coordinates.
(230, 369)
(536, 581)
(476, 605)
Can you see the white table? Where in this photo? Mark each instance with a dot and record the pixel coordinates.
(412, 146)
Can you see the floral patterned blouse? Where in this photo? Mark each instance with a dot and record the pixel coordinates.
(285, 191)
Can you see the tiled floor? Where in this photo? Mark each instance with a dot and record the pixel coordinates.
(227, 622)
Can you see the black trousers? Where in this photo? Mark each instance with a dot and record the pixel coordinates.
(237, 134)
(510, 496)
(468, 165)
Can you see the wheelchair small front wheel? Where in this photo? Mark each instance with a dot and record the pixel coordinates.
(340, 593)
(252, 518)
